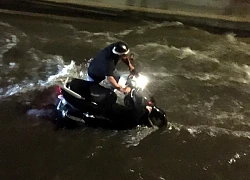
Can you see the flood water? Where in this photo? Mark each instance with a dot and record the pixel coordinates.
(200, 79)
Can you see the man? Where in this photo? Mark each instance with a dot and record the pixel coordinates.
(104, 63)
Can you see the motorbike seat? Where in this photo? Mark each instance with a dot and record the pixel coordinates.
(93, 92)
(102, 95)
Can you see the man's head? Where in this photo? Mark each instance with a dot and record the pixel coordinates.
(121, 49)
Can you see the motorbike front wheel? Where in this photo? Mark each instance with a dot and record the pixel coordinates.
(128, 101)
(159, 122)
(157, 117)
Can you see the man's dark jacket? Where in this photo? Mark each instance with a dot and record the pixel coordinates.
(103, 64)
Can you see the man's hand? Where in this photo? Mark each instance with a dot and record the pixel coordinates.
(126, 90)
(149, 108)
(117, 86)
(134, 72)
(127, 61)
(131, 57)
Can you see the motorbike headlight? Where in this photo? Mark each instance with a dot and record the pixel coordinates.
(141, 81)
(122, 82)
(133, 82)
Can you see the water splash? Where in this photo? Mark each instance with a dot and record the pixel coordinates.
(64, 71)
(165, 24)
(135, 136)
(70, 70)
(5, 25)
(10, 42)
(41, 113)
(182, 53)
(154, 26)
(234, 158)
(201, 65)
(124, 33)
(97, 39)
(211, 131)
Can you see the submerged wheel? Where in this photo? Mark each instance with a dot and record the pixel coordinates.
(157, 117)
(159, 122)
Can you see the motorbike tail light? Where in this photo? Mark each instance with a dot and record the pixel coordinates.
(150, 103)
(59, 91)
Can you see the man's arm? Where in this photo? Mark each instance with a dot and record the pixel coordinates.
(130, 65)
(112, 80)
(127, 61)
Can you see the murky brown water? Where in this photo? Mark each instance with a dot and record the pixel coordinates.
(200, 79)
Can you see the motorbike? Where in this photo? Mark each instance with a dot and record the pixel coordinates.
(89, 103)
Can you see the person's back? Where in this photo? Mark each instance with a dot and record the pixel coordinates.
(103, 64)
